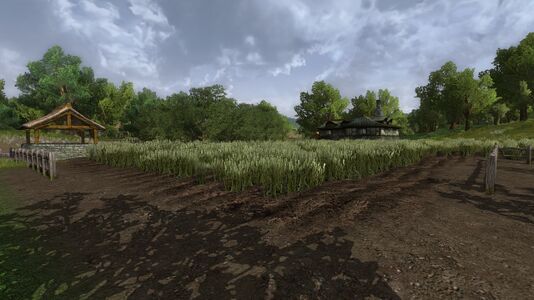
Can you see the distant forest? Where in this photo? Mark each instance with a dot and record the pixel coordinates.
(451, 98)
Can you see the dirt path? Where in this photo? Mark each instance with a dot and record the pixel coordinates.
(426, 231)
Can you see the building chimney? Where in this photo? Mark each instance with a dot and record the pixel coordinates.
(378, 109)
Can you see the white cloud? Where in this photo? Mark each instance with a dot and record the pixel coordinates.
(128, 49)
(250, 40)
(296, 61)
(255, 58)
(148, 11)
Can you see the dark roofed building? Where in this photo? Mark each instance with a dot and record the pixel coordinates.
(360, 128)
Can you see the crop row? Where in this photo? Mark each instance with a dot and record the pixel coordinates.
(277, 166)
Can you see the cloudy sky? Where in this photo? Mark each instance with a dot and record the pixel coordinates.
(263, 49)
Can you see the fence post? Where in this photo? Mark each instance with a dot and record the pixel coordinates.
(33, 153)
(43, 162)
(51, 165)
(491, 170)
(529, 155)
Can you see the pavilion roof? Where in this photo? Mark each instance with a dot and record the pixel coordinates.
(58, 113)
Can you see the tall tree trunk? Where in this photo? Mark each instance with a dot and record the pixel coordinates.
(523, 113)
(467, 123)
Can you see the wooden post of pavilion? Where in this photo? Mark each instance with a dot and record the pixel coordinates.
(36, 136)
(82, 136)
(28, 136)
(95, 136)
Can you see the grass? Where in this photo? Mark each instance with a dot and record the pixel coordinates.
(6, 163)
(513, 130)
(14, 138)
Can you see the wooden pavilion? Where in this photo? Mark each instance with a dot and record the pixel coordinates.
(64, 117)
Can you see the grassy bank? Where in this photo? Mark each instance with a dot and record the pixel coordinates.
(513, 130)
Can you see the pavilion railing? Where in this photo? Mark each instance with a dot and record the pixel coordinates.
(41, 161)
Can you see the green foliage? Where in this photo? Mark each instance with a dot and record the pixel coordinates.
(10, 164)
(499, 111)
(53, 80)
(511, 67)
(515, 130)
(324, 103)
(8, 116)
(454, 96)
(280, 167)
(3, 98)
(260, 122)
(365, 105)
(113, 106)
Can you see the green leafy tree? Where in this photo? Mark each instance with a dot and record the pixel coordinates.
(137, 113)
(434, 110)
(469, 94)
(3, 98)
(512, 66)
(113, 106)
(322, 104)
(365, 106)
(260, 122)
(499, 111)
(53, 80)
(8, 115)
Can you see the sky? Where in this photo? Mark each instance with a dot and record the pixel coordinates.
(263, 49)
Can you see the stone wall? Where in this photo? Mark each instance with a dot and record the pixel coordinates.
(62, 150)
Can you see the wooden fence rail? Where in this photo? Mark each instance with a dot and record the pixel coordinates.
(517, 153)
(39, 160)
(491, 170)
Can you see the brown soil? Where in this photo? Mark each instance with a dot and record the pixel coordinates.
(427, 231)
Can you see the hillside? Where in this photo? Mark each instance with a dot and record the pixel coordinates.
(513, 130)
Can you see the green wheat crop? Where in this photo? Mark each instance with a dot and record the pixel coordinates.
(281, 167)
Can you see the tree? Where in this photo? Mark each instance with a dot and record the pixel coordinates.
(55, 79)
(499, 111)
(434, 109)
(3, 98)
(113, 106)
(364, 106)
(324, 103)
(8, 116)
(137, 115)
(511, 66)
(468, 94)
(260, 122)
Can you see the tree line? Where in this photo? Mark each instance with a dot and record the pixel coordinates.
(451, 98)
(325, 103)
(501, 94)
(204, 113)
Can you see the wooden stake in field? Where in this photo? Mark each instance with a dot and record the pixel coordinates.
(529, 155)
(491, 170)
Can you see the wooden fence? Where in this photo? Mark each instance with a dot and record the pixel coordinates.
(39, 160)
(524, 154)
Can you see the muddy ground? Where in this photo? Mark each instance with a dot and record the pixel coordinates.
(426, 232)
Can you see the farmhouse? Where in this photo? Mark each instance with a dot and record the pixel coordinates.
(376, 127)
